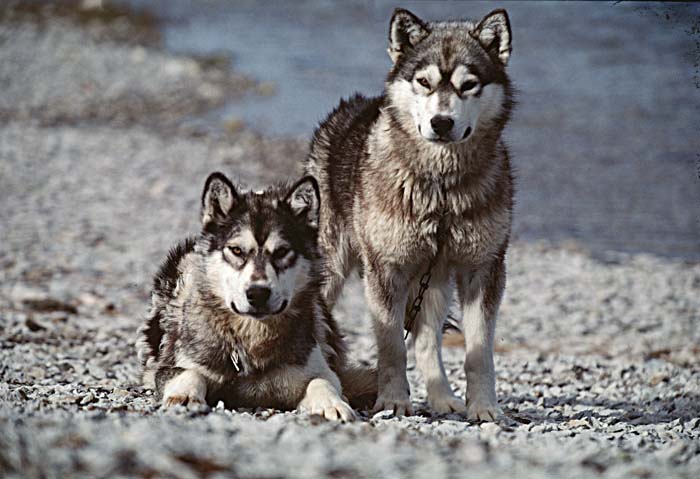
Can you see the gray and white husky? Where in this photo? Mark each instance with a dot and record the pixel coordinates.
(237, 314)
(419, 180)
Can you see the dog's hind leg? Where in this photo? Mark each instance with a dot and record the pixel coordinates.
(480, 296)
(428, 348)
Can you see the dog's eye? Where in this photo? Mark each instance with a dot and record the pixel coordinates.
(424, 83)
(280, 253)
(235, 250)
(469, 85)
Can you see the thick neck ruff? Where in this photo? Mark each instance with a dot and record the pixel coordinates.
(253, 345)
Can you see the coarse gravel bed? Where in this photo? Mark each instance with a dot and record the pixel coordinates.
(597, 359)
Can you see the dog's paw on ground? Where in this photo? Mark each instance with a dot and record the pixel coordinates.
(446, 404)
(399, 407)
(323, 400)
(186, 389)
(181, 400)
(481, 410)
(331, 409)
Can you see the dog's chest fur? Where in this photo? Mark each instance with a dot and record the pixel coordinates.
(417, 199)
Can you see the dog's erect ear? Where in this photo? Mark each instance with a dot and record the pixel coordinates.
(405, 32)
(304, 200)
(493, 32)
(218, 198)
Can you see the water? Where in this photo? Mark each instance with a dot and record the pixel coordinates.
(313, 53)
(605, 138)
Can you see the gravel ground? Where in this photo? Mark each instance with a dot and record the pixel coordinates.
(597, 360)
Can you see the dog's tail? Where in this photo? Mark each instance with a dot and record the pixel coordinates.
(359, 385)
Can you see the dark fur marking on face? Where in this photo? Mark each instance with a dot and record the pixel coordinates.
(218, 232)
(259, 263)
(236, 263)
(448, 52)
(284, 264)
(444, 95)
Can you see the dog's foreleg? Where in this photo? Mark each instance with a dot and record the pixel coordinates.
(386, 300)
(323, 395)
(428, 348)
(178, 386)
(480, 295)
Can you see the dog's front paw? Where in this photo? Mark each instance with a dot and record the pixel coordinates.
(481, 398)
(323, 400)
(446, 403)
(483, 409)
(394, 397)
(332, 409)
(186, 389)
(399, 406)
(181, 400)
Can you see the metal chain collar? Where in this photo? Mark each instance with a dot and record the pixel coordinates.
(410, 318)
(418, 300)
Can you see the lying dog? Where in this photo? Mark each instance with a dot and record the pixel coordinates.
(237, 314)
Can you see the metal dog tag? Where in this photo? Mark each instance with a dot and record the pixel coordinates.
(235, 360)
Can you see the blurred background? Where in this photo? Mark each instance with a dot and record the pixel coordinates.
(606, 136)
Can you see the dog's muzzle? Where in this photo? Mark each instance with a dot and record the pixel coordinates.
(260, 312)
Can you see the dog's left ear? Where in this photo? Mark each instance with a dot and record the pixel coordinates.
(405, 32)
(493, 32)
(304, 200)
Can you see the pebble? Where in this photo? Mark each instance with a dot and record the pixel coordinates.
(386, 414)
(87, 399)
(579, 423)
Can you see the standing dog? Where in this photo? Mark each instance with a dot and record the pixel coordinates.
(419, 180)
(237, 313)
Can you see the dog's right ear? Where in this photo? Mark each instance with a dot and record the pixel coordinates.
(304, 199)
(218, 198)
(405, 32)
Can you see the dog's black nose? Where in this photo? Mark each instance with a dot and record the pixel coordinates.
(258, 296)
(442, 124)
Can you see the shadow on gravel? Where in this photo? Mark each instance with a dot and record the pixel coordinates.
(657, 411)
